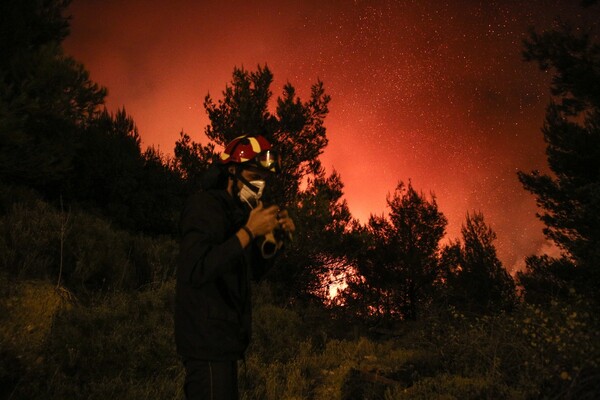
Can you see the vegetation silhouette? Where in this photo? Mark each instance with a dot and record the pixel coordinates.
(569, 197)
(88, 241)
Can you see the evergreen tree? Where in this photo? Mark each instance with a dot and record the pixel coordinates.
(243, 108)
(297, 129)
(45, 96)
(191, 161)
(160, 198)
(107, 165)
(401, 261)
(546, 278)
(140, 191)
(477, 280)
(320, 246)
(570, 197)
(54, 136)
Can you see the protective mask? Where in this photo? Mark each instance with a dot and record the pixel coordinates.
(251, 195)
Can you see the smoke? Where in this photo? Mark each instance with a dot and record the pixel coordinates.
(439, 96)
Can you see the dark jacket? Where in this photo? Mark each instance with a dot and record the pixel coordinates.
(212, 301)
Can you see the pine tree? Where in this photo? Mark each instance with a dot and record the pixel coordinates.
(45, 96)
(479, 282)
(401, 260)
(320, 247)
(191, 161)
(297, 130)
(569, 198)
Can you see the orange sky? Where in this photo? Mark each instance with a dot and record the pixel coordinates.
(431, 91)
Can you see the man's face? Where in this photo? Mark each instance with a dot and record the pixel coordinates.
(251, 185)
(252, 174)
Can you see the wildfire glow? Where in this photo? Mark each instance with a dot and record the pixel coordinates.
(438, 94)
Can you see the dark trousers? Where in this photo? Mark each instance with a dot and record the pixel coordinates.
(211, 380)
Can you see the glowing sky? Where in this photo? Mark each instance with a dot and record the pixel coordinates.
(432, 91)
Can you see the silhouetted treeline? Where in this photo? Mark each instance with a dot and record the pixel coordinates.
(569, 198)
(393, 265)
(87, 251)
(58, 139)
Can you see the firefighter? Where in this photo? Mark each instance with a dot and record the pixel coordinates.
(220, 227)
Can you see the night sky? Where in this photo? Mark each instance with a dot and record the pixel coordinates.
(431, 91)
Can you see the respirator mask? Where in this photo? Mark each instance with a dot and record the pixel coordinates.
(251, 192)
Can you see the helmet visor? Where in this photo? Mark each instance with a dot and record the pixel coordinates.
(269, 160)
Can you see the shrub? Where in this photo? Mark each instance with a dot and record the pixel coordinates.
(29, 241)
(536, 351)
(27, 312)
(276, 332)
(82, 251)
(343, 369)
(454, 387)
(120, 348)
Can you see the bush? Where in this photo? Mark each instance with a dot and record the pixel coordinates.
(29, 241)
(454, 387)
(121, 348)
(82, 251)
(538, 352)
(342, 369)
(117, 342)
(27, 312)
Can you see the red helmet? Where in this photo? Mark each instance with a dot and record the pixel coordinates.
(254, 151)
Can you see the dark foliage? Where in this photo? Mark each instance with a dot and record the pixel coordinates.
(55, 138)
(313, 199)
(138, 190)
(80, 295)
(570, 197)
(297, 128)
(192, 160)
(546, 279)
(45, 96)
(400, 261)
(474, 278)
